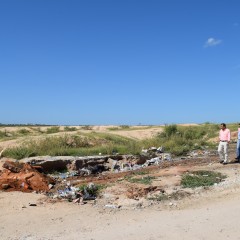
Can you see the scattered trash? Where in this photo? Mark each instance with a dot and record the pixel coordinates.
(112, 206)
(27, 177)
(32, 204)
(75, 194)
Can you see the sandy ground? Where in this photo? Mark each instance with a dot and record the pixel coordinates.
(218, 219)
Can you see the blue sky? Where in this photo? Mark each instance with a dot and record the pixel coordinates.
(100, 62)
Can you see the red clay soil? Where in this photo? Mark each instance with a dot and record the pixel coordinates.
(25, 178)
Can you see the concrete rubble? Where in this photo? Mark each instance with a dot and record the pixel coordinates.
(83, 166)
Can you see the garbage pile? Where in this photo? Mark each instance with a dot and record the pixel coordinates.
(123, 163)
(156, 156)
(76, 194)
(70, 166)
(30, 174)
(23, 177)
(91, 170)
(201, 153)
(151, 156)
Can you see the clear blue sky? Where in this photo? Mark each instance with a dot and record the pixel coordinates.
(119, 61)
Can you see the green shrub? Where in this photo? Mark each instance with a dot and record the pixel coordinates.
(124, 126)
(170, 130)
(69, 129)
(93, 191)
(3, 134)
(113, 128)
(87, 127)
(53, 130)
(143, 180)
(23, 131)
(179, 140)
(19, 152)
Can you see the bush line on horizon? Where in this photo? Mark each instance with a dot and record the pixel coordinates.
(175, 139)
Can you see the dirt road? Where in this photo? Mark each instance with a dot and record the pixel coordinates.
(218, 219)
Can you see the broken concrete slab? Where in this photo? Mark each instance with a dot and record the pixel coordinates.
(61, 163)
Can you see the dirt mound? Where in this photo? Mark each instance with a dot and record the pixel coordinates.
(23, 177)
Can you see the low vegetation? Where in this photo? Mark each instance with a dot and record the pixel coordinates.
(23, 131)
(159, 197)
(129, 128)
(179, 140)
(3, 134)
(94, 190)
(173, 196)
(175, 139)
(142, 180)
(201, 179)
(87, 127)
(53, 130)
(70, 129)
(74, 145)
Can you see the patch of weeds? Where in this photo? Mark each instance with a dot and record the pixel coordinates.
(143, 180)
(3, 134)
(164, 197)
(124, 126)
(19, 152)
(159, 197)
(37, 129)
(113, 128)
(87, 127)
(201, 179)
(92, 190)
(53, 130)
(121, 179)
(141, 173)
(23, 131)
(70, 129)
(178, 195)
